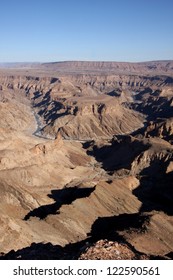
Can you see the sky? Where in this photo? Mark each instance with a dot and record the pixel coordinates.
(99, 30)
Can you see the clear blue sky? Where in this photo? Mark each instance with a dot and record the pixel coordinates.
(56, 30)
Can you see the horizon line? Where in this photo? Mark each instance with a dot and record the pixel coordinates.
(63, 61)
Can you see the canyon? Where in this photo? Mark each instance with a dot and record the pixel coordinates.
(86, 160)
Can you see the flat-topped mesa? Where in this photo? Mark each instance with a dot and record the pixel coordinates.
(110, 66)
(92, 119)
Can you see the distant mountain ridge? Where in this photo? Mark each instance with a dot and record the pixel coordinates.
(165, 66)
(160, 66)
